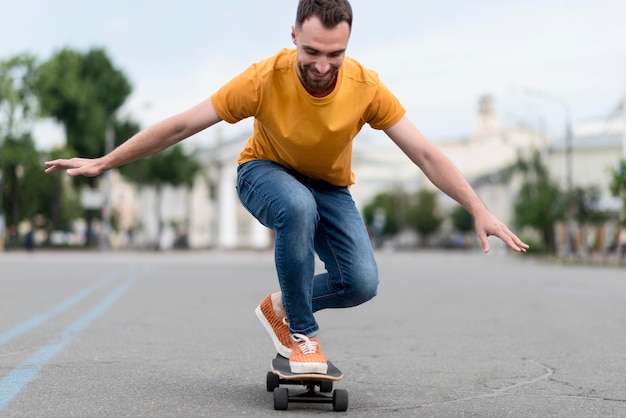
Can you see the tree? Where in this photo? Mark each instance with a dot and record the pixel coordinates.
(386, 214)
(618, 186)
(583, 202)
(540, 202)
(19, 156)
(392, 212)
(17, 115)
(462, 221)
(28, 193)
(423, 216)
(83, 92)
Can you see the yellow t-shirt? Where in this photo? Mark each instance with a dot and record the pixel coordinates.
(312, 136)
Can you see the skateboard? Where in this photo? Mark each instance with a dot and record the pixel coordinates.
(281, 374)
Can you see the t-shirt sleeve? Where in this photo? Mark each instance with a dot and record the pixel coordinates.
(238, 99)
(385, 110)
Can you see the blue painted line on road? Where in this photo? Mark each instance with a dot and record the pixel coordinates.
(34, 322)
(27, 371)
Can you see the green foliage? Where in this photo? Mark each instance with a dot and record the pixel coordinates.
(423, 214)
(462, 221)
(16, 154)
(540, 202)
(387, 213)
(17, 101)
(391, 213)
(583, 202)
(534, 239)
(618, 185)
(82, 92)
(21, 182)
(27, 190)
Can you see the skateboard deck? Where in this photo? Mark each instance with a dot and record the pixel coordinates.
(281, 374)
(280, 367)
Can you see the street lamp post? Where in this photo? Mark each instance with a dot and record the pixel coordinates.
(569, 170)
(624, 112)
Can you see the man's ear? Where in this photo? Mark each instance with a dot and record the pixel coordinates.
(293, 35)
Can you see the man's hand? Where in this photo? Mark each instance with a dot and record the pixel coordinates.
(488, 225)
(76, 166)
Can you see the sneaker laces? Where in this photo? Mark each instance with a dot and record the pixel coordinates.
(306, 345)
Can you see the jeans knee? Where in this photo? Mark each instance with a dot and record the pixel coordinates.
(298, 213)
(364, 288)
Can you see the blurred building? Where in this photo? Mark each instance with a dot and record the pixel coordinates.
(597, 145)
(210, 214)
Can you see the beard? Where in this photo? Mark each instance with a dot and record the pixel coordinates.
(315, 84)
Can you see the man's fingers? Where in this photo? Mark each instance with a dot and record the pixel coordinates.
(486, 247)
(73, 167)
(73, 172)
(508, 237)
(490, 226)
(514, 242)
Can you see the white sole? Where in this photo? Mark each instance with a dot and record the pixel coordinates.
(281, 349)
(305, 368)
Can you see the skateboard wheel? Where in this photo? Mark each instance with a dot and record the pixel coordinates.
(273, 381)
(281, 399)
(326, 386)
(340, 400)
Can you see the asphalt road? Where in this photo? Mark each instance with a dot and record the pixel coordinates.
(174, 335)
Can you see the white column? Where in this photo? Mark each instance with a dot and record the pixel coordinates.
(259, 235)
(227, 208)
(624, 121)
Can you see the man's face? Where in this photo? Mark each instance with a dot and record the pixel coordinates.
(320, 53)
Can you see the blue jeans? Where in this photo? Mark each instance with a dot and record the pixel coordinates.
(310, 216)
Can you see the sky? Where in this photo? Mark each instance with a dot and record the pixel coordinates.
(537, 59)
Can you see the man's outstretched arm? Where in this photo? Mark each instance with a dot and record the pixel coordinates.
(446, 176)
(149, 141)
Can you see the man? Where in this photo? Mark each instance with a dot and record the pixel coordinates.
(295, 170)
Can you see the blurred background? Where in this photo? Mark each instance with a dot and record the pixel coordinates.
(527, 98)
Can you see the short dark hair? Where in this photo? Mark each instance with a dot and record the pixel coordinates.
(330, 12)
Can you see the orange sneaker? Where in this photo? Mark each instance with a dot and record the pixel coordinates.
(306, 355)
(275, 326)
